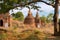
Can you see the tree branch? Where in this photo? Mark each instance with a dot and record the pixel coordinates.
(41, 1)
(22, 5)
(48, 3)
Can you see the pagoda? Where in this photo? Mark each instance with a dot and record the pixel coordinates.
(37, 20)
(29, 20)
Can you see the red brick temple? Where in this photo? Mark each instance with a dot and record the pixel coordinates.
(37, 20)
(32, 21)
(4, 20)
(29, 20)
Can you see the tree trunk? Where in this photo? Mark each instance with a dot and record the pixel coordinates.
(56, 17)
(59, 26)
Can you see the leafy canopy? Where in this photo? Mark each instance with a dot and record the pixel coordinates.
(10, 4)
(18, 16)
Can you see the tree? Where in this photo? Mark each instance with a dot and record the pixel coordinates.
(50, 17)
(43, 18)
(56, 17)
(9, 4)
(13, 14)
(18, 16)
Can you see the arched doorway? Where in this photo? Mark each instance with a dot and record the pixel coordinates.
(1, 22)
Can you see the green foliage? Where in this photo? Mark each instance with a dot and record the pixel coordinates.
(3, 36)
(36, 32)
(35, 7)
(43, 19)
(59, 19)
(18, 16)
(13, 14)
(5, 7)
(49, 18)
(52, 1)
(9, 4)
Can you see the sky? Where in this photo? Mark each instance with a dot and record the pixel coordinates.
(44, 10)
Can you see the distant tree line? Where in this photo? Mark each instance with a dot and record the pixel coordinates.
(47, 19)
(18, 16)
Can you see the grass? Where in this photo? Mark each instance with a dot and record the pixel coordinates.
(3, 36)
(26, 35)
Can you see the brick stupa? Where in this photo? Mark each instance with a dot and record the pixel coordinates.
(29, 20)
(37, 20)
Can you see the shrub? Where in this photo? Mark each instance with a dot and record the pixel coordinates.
(3, 36)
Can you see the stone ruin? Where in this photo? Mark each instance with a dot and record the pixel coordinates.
(29, 20)
(4, 20)
(32, 21)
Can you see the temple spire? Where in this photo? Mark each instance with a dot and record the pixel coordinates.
(29, 19)
(37, 15)
(29, 12)
(37, 20)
